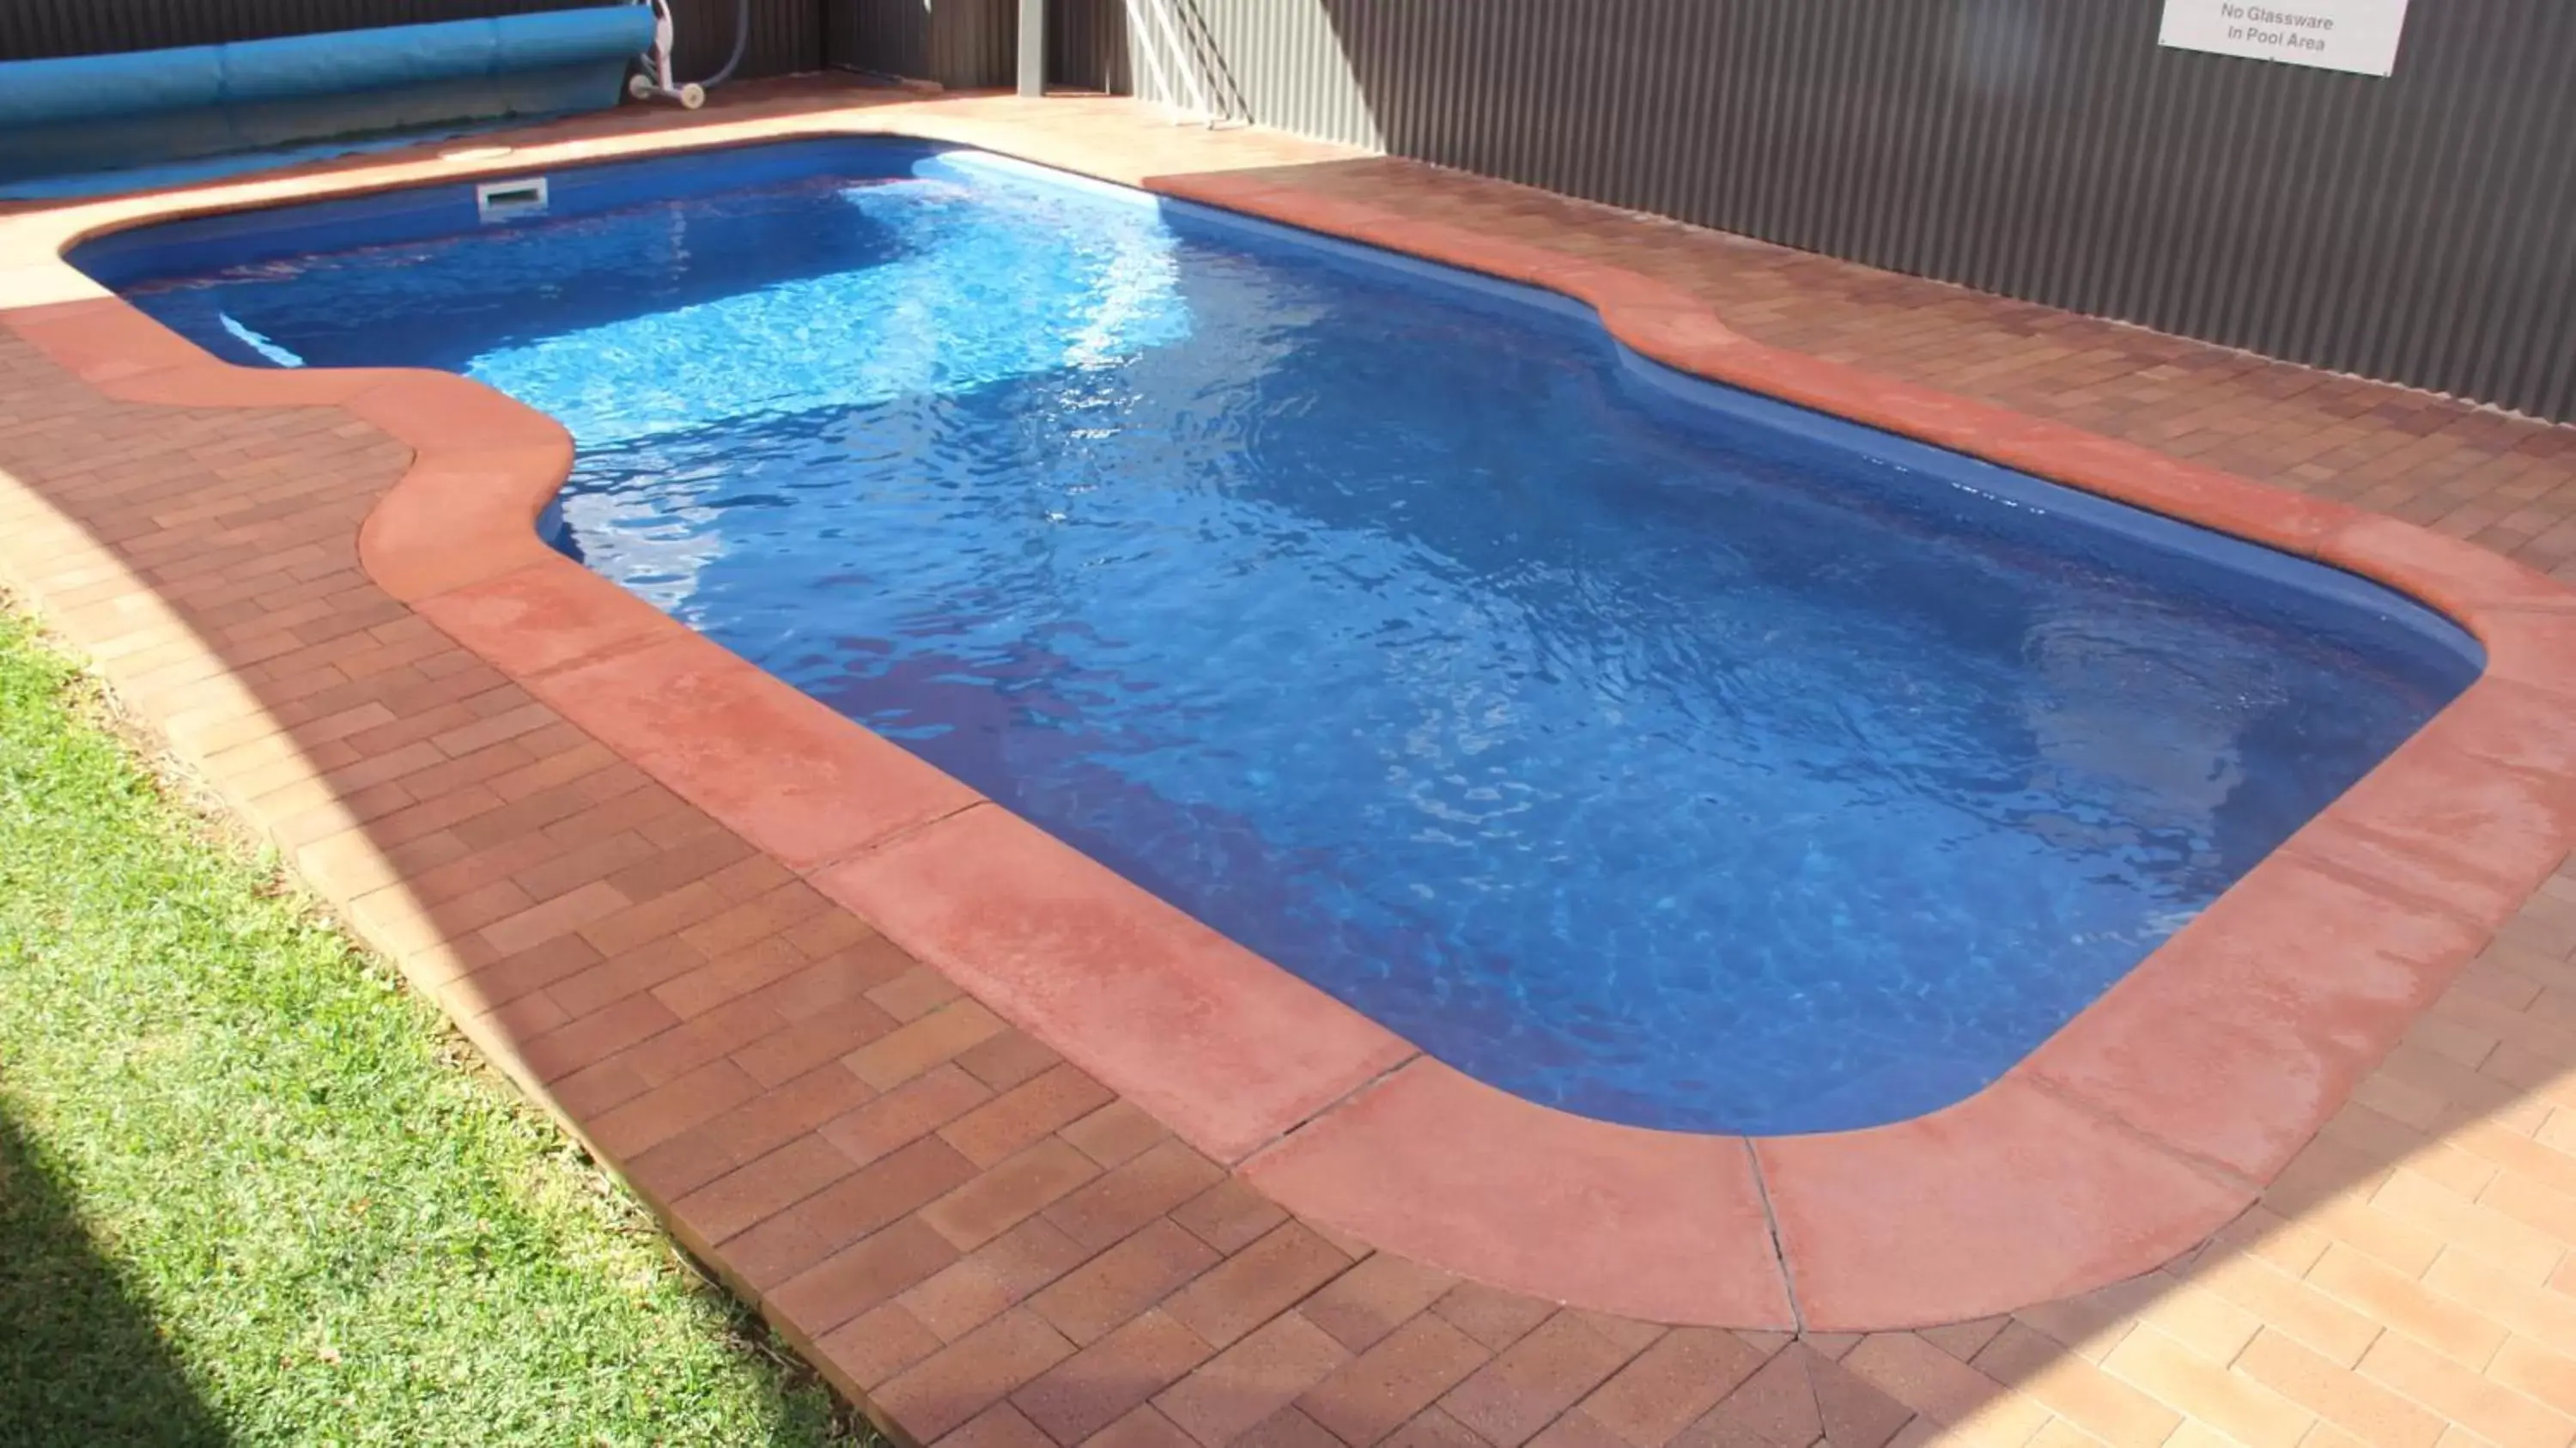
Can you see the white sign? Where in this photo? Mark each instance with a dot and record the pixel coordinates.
(2355, 35)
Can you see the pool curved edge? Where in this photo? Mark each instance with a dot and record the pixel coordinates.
(2144, 1125)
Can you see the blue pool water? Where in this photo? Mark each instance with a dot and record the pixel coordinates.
(1649, 750)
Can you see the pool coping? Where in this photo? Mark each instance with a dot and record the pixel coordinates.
(2141, 1127)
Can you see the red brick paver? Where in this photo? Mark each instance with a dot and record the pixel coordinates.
(976, 1239)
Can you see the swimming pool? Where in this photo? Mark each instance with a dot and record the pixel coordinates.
(1650, 750)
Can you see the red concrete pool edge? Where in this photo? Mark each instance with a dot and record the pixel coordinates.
(2141, 1128)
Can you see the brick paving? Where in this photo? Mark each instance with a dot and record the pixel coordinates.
(983, 1245)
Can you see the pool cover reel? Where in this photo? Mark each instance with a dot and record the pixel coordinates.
(657, 80)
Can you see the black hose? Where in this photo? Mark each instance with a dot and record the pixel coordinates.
(741, 45)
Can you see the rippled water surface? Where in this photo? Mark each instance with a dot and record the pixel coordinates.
(1652, 761)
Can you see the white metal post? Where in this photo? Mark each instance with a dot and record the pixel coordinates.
(1033, 47)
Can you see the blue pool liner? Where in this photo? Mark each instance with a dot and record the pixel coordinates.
(2329, 600)
(2291, 594)
(103, 113)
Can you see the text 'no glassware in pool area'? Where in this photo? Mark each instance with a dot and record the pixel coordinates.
(2359, 36)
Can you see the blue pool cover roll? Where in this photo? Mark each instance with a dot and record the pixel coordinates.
(158, 104)
(360, 60)
(93, 87)
(569, 37)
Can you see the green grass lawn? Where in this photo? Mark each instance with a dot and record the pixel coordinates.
(252, 1192)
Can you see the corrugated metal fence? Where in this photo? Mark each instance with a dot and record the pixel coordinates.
(786, 35)
(959, 43)
(2420, 229)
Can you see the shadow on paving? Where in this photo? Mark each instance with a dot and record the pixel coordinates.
(81, 1361)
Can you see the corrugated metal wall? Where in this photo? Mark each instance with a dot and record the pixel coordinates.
(786, 35)
(962, 44)
(890, 37)
(1086, 45)
(974, 42)
(2420, 229)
